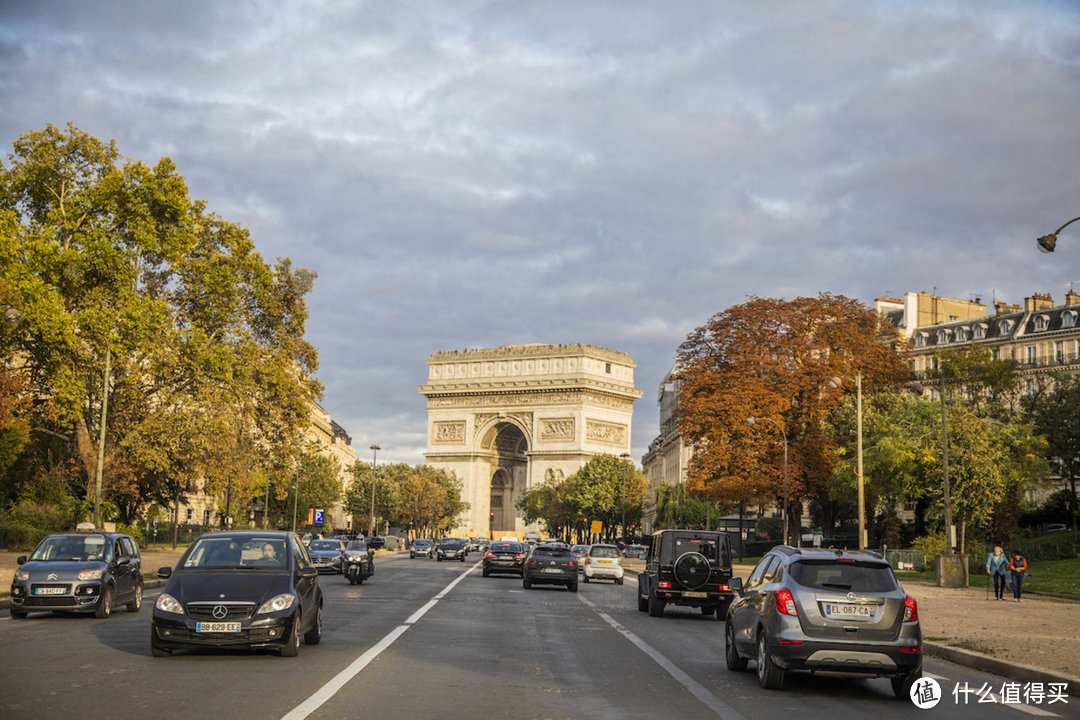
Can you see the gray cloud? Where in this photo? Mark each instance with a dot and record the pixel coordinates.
(473, 174)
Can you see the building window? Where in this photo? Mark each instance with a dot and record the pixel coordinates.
(1032, 354)
(954, 318)
(1004, 327)
(997, 353)
(1040, 323)
(978, 331)
(1029, 386)
(190, 514)
(1068, 319)
(206, 517)
(1059, 352)
(920, 340)
(943, 336)
(607, 368)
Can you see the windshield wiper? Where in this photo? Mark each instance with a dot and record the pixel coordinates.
(842, 586)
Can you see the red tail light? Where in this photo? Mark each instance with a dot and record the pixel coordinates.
(573, 564)
(532, 561)
(911, 609)
(785, 603)
(519, 556)
(489, 554)
(666, 584)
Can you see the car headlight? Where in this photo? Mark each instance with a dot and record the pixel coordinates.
(91, 574)
(167, 603)
(21, 574)
(277, 604)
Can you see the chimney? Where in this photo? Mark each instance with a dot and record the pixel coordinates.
(1072, 298)
(1038, 301)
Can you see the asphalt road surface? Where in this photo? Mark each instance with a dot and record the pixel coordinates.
(424, 639)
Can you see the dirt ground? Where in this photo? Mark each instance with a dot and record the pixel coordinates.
(1038, 632)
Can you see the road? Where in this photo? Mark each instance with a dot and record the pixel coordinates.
(423, 639)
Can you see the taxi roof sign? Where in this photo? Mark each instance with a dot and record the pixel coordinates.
(85, 527)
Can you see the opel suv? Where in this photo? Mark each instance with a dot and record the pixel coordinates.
(828, 611)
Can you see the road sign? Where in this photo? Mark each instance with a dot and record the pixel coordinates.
(318, 517)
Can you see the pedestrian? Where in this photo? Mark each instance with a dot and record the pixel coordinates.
(996, 565)
(1018, 570)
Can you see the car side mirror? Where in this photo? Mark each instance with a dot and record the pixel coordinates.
(735, 584)
(123, 561)
(309, 572)
(20, 560)
(164, 572)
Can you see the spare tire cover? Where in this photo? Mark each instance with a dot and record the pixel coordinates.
(692, 570)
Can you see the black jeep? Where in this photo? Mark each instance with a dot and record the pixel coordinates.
(687, 567)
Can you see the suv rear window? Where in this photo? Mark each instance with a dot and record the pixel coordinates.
(604, 552)
(843, 576)
(551, 552)
(708, 547)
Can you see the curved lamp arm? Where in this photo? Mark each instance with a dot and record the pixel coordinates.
(1048, 242)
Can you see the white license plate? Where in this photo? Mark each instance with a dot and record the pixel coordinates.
(695, 594)
(50, 591)
(217, 627)
(848, 611)
(552, 570)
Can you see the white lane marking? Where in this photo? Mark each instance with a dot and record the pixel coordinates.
(332, 686)
(722, 709)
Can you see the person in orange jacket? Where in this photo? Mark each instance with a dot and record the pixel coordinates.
(1018, 569)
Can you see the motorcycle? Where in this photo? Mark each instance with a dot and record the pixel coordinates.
(356, 568)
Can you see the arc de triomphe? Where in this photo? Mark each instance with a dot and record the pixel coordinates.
(504, 419)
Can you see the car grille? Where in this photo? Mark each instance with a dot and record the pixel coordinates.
(233, 611)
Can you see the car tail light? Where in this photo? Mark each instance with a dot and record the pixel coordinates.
(911, 609)
(666, 584)
(489, 554)
(573, 564)
(909, 649)
(532, 561)
(724, 588)
(792, 642)
(519, 556)
(785, 603)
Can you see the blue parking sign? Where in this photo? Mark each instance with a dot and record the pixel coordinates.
(318, 516)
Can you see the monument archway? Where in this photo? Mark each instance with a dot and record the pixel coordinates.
(508, 418)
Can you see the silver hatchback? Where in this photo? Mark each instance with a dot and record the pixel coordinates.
(834, 611)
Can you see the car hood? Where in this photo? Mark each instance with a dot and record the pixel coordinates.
(208, 586)
(44, 570)
(324, 553)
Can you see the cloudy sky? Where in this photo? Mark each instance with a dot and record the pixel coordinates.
(476, 173)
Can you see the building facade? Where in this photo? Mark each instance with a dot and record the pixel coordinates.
(508, 418)
(668, 457)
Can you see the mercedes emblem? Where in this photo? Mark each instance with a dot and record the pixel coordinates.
(220, 612)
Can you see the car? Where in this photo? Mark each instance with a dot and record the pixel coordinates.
(580, 551)
(602, 561)
(79, 572)
(423, 547)
(376, 542)
(239, 590)
(830, 611)
(451, 549)
(326, 555)
(635, 551)
(689, 568)
(550, 565)
(505, 557)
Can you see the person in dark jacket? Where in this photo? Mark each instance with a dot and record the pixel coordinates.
(997, 564)
(1018, 569)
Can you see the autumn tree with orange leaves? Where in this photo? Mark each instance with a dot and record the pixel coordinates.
(773, 358)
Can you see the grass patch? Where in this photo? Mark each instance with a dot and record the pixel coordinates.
(973, 646)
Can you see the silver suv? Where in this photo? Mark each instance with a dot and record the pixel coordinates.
(835, 611)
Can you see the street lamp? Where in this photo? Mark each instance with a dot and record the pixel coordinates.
(837, 382)
(751, 421)
(12, 316)
(374, 454)
(1048, 242)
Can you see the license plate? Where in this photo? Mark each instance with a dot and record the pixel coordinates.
(552, 570)
(695, 594)
(849, 611)
(217, 627)
(605, 562)
(50, 591)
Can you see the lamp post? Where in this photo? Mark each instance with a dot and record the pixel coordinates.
(751, 421)
(1047, 243)
(374, 454)
(837, 382)
(12, 316)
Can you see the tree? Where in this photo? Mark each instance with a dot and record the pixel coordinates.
(773, 359)
(1056, 418)
(429, 500)
(603, 488)
(387, 499)
(318, 483)
(116, 268)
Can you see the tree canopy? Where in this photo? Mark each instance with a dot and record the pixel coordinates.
(110, 259)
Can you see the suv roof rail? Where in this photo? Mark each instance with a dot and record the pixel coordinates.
(788, 550)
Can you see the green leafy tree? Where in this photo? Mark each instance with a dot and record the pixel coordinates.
(603, 488)
(388, 480)
(1057, 419)
(116, 268)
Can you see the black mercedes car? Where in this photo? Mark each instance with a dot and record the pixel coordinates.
(505, 557)
(452, 549)
(79, 572)
(239, 590)
(550, 565)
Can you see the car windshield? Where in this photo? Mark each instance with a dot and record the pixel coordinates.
(70, 547)
(844, 576)
(229, 552)
(551, 552)
(579, 549)
(451, 544)
(504, 547)
(356, 545)
(421, 543)
(604, 552)
(324, 545)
